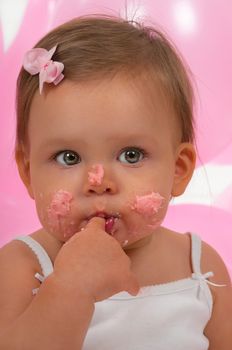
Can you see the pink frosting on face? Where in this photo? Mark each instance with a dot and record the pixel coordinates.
(96, 175)
(147, 204)
(59, 208)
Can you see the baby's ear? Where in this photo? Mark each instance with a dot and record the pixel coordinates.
(184, 167)
(23, 165)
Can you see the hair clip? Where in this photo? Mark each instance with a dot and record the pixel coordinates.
(38, 60)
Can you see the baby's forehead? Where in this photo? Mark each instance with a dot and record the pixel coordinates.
(109, 101)
(137, 89)
(128, 91)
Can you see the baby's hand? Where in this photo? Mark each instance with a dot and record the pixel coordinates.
(94, 263)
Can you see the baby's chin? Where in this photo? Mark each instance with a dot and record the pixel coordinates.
(137, 242)
(135, 236)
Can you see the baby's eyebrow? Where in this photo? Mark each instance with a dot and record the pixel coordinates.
(142, 140)
(60, 142)
(56, 144)
(111, 139)
(137, 137)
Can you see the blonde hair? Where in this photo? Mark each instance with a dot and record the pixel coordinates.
(99, 46)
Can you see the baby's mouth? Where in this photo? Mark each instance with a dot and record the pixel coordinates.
(109, 225)
(110, 220)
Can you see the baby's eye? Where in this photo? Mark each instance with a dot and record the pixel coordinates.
(132, 155)
(67, 158)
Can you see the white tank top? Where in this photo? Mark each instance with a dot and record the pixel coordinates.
(161, 317)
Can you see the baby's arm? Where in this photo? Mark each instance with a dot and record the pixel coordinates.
(219, 328)
(56, 318)
(90, 267)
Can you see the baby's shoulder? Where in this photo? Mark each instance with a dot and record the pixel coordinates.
(209, 258)
(218, 330)
(212, 261)
(16, 250)
(17, 269)
(189, 250)
(16, 261)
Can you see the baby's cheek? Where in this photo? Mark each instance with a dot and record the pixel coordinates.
(149, 217)
(58, 213)
(148, 205)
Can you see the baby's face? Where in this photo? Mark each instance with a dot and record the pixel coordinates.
(102, 149)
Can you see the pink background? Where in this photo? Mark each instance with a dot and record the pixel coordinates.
(202, 30)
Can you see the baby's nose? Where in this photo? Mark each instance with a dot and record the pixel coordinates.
(98, 182)
(100, 189)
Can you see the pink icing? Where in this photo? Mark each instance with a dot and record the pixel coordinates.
(59, 208)
(147, 204)
(96, 175)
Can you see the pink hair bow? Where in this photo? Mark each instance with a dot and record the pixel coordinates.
(38, 60)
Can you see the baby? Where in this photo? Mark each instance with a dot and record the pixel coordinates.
(105, 138)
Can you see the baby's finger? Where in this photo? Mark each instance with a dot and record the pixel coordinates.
(96, 222)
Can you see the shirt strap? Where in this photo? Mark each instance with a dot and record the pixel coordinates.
(196, 245)
(196, 253)
(40, 252)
